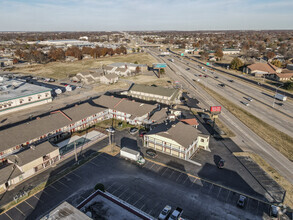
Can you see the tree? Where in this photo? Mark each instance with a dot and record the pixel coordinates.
(236, 64)
(135, 62)
(133, 50)
(277, 63)
(271, 55)
(204, 55)
(138, 49)
(137, 69)
(162, 71)
(219, 53)
(288, 85)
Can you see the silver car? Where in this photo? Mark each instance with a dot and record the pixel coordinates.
(165, 213)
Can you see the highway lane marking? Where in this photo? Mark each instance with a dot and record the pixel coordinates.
(158, 167)
(19, 210)
(138, 200)
(29, 204)
(8, 215)
(228, 195)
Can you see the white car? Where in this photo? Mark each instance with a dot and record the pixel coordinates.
(110, 130)
(165, 213)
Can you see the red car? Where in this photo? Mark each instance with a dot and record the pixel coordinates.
(142, 133)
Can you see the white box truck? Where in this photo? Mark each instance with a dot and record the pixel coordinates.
(132, 155)
(280, 97)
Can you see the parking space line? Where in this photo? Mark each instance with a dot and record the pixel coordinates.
(138, 200)
(178, 177)
(19, 210)
(63, 184)
(219, 192)
(158, 168)
(228, 195)
(257, 206)
(171, 173)
(55, 188)
(29, 204)
(185, 179)
(76, 175)
(150, 211)
(110, 186)
(151, 166)
(46, 193)
(130, 196)
(164, 171)
(142, 206)
(123, 192)
(91, 162)
(116, 189)
(211, 188)
(8, 216)
(146, 162)
(247, 202)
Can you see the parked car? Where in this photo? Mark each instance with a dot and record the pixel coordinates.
(164, 214)
(231, 80)
(187, 68)
(151, 153)
(241, 201)
(133, 130)
(142, 133)
(110, 129)
(176, 214)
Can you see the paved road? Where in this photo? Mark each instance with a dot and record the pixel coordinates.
(245, 138)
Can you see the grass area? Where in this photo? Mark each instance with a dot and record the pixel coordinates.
(224, 128)
(61, 70)
(279, 140)
(273, 173)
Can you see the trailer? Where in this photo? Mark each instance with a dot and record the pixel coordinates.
(280, 97)
(132, 155)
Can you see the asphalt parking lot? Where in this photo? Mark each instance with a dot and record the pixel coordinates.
(148, 188)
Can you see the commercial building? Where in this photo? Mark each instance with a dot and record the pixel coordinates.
(262, 69)
(231, 51)
(158, 94)
(176, 139)
(131, 66)
(16, 95)
(6, 62)
(109, 78)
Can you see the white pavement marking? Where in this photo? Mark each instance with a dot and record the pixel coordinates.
(150, 211)
(123, 192)
(116, 189)
(187, 177)
(171, 173)
(142, 206)
(54, 188)
(76, 175)
(8, 216)
(91, 162)
(211, 188)
(138, 200)
(158, 168)
(152, 166)
(29, 204)
(110, 186)
(38, 198)
(178, 176)
(219, 192)
(130, 196)
(228, 196)
(19, 210)
(145, 164)
(63, 184)
(164, 171)
(46, 192)
(257, 206)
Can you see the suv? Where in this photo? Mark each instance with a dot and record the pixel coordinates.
(165, 213)
(221, 164)
(274, 211)
(176, 214)
(133, 130)
(241, 201)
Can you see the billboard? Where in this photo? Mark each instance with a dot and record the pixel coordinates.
(159, 65)
(215, 109)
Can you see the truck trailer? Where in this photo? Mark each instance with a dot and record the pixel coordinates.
(280, 97)
(132, 155)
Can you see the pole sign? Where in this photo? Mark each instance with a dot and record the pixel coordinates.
(182, 54)
(215, 109)
(208, 63)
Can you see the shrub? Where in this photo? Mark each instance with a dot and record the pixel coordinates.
(100, 186)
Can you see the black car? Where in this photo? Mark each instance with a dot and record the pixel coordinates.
(221, 164)
(241, 201)
(222, 85)
(151, 153)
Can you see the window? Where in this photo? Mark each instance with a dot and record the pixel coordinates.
(202, 140)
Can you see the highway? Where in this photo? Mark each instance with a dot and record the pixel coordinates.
(246, 139)
(280, 117)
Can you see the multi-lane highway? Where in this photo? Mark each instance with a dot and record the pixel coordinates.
(245, 138)
(262, 104)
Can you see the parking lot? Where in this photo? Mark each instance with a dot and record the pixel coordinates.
(148, 188)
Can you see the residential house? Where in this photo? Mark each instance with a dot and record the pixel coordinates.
(109, 78)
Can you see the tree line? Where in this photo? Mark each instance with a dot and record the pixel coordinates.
(57, 54)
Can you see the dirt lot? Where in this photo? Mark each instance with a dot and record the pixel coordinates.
(61, 70)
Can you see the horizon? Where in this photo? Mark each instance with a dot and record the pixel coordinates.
(164, 15)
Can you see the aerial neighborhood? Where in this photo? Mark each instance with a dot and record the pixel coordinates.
(146, 125)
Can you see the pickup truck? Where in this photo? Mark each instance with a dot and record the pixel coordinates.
(132, 155)
(176, 214)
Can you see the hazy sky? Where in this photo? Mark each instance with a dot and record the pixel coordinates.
(107, 15)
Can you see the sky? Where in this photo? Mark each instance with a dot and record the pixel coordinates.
(141, 15)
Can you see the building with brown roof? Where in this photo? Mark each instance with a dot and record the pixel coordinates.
(262, 69)
(176, 139)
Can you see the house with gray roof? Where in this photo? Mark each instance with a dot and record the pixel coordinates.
(176, 139)
(158, 94)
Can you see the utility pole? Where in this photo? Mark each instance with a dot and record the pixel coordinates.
(75, 151)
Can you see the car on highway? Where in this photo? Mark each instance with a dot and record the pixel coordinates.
(133, 130)
(205, 76)
(245, 103)
(187, 68)
(241, 201)
(231, 80)
(164, 214)
(110, 130)
(151, 153)
(274, 211)
(249, 99)
(222, 85)
(200, 75)
(216, 77)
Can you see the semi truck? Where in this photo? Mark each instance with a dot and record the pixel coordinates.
(132, 155)
(280, 97)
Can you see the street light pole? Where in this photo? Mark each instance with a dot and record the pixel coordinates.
(75, 151)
